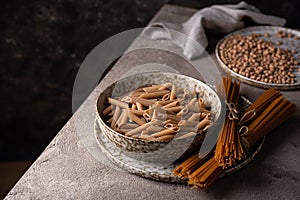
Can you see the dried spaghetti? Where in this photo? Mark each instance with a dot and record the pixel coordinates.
(274, 109)
(271, 109)
(229, 148)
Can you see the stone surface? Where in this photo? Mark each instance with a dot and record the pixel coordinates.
(72, 166)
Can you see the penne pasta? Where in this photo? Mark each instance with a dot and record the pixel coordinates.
(139, 106)
(189, 134)
(155, 94)
(135, 118)
(173, 92)
(203, 123)
(165, 86)
(174, 109)
(187, 123)
(117, 103)
(165, 132)
(115, 117)
(107, 110)
(138, 129)
(165, 138)
(129, 126)
(166, 97)
(138, 112)
(155, 113)
(144, 102)
(171, 104)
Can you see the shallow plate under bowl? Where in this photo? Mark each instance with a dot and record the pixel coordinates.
(153, 171)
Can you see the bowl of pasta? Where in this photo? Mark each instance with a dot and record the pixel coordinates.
(157, 116)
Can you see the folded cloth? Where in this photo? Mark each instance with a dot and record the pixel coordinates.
(217, 19)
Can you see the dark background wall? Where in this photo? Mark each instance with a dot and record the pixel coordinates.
(42, 45)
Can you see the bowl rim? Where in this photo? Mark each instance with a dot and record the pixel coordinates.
(98, 115)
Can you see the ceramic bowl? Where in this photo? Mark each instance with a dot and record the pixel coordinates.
(155, 151)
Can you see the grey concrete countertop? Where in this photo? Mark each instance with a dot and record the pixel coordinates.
(73, 167)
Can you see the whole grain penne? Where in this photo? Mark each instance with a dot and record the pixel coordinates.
(187, 123)
(189, 134)
(107, 110)
(123, 120)
(183, 129)
(201, 103)
(145, 132)
(147, 137)
(117, 103)
(126, 99)
(138, 129)
(174, 117)
(136, 93)
(171, 121)
(119, 131)
(144, 102)
(170, 125)
(165, 138)
(152, 88)
(173, 92)
(115, 117)
(203, 123)
(204, 110)
(164, 102)
(174, 109)
(139, 106)
(183, 112)
(154, 128)
(135, 118)
(155, 94)
(171, 104)
(138, 112)
(165, 132)
(125, 130)
(147, 117)
(109, 121)
(166, 97)
(129, 126)
(193, 108)
(133, 107)
(195, 117)
(118, 122)
(110, 114)
(193, 101)
(156, 122)
(165, 86)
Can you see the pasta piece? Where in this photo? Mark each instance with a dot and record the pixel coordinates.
(173, 92)
(107, 110)
(138, 129)
(118, 103)
(171, 104)
(165, 138)
(135, 118)
(165, 132)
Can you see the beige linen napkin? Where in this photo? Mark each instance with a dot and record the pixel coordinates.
(217, 19)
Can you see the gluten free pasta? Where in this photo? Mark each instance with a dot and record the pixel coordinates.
(158, 113)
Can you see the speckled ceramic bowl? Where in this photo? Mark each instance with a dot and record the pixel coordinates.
(155, 151)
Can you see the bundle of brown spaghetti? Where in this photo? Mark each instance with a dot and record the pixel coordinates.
(202, 172)
(229, 148)
(273, 109)
(270, 109)
(259, 105)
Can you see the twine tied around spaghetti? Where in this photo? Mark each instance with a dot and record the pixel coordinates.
(232, 111)
(248, 116)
